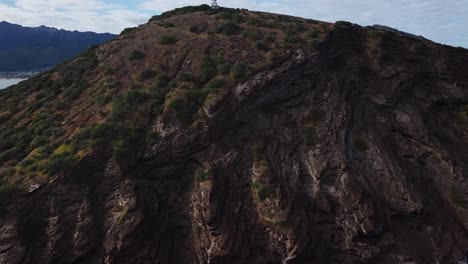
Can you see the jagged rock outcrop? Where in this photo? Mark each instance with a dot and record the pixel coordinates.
(353, 152)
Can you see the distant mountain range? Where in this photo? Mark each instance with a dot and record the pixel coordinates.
(29, 48)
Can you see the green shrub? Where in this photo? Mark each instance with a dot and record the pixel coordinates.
(121, 150)
(313, 34)
(461, 114)
(260, 23)
(229, 28)
(188, 105)
(161, 81)
(187, 77)
(215, 84)
(194, 29)
(25, 163)
(197, 29)
(181, 11)
(256, 185)
(278, 55)
(225, 67)
(265, 192)
(158, 94)
(64, 149)
(136, 55)
(167, 25)
(254, 34)
(292, 38)
(127, 103)
(128, 31)
(202, 175)
(119, 139)
(147, 74)
(240, 71)
(374, 33)
(260, 45)
(57, 163)
(208, 69)
(458, 198)
(299, 27)
(73, 74)
(167, 40)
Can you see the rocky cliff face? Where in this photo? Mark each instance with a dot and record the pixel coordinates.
(353, 150)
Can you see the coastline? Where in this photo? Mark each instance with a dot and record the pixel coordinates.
(22, 74)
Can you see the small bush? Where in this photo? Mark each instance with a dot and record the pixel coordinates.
(260, 23)
(229, 28)
(278, 55)
(224, 67)
(181, 11)
(64, 149)
(461, 114)
(202, 175)
(260, 45)
(265, 192)
(187, 105)
(136, 55)
(240, 71)
(299, 27)
(216, 84)
(121, 150)
(167, 25)
(194, 29)
(56, 163)
(167, 40)
(209, 69)
(232, 15)
(313, 34)
(127, 103)
(161, 81)
(187, 77)
(128, 30)
(254, 34)
(458, 198)
(147, 74)
(197, 29)
(293, 39)
(256, 185)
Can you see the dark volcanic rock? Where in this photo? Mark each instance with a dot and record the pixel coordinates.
(354, 153)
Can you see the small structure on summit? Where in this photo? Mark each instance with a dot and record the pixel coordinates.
(214, 4)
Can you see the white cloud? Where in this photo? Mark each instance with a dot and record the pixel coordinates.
(443, 21)
(94, 15)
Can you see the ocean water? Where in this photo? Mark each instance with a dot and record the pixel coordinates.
(4, 83)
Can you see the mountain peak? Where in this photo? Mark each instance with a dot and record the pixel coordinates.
(234, 136)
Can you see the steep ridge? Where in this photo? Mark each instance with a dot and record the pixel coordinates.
(234, 136)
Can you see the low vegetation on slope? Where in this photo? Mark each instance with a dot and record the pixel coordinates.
(102, 101)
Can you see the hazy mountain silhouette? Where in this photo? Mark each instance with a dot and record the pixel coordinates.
(26, 48)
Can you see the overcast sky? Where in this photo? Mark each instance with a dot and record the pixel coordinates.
(444, 21)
